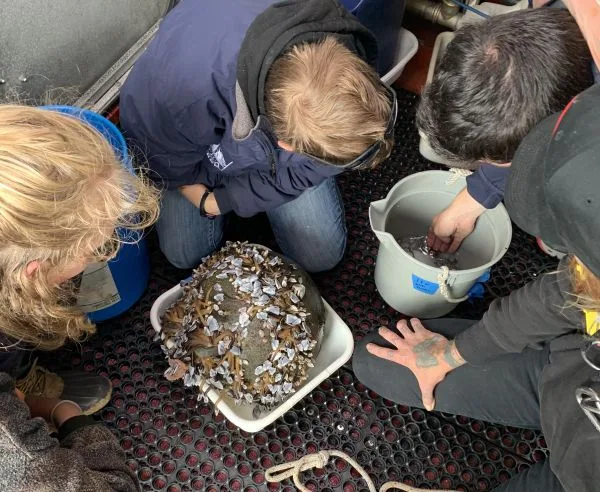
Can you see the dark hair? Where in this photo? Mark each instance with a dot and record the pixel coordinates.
(498, 79)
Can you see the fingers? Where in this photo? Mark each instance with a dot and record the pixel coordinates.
(382, 352)
(405, 330)
(459, 236)
(456, 242)
(430, 238)
(427, 395)
(417, 326)
(437, 243)
(390, 336)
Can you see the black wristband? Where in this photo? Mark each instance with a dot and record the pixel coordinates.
(203, 203)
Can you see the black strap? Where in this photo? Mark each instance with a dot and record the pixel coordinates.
(203, 203)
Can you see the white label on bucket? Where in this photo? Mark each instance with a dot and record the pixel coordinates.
(98, 289)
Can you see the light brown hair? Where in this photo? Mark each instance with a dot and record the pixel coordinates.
(323, 100)
(63, 192)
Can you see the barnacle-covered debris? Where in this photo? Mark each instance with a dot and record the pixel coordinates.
(249, 323)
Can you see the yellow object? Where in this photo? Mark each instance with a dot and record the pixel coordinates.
(592, 318)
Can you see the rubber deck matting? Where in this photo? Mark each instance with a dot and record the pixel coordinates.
(176, 444)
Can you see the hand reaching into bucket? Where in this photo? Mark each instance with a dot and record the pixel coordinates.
(449, 228)
(430, 356)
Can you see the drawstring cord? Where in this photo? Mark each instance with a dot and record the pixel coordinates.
(279, 473)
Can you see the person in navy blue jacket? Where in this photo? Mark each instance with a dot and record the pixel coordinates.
(251, 106)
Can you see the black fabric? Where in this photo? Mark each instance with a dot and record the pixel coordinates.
(504, 391)
(292, 22)
(10, 362)
(15, 358)
(73, 424)
(552, 190)
(479, 392)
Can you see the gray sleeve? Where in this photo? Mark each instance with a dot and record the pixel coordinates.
(535, 313)
(88, 459)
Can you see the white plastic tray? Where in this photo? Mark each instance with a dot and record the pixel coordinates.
(336, 350)
(406, 48)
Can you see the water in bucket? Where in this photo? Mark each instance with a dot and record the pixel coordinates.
(412, 282)
(417, 247)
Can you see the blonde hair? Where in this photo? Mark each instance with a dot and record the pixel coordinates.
(323, 100)
(585, 285)
(63, 192)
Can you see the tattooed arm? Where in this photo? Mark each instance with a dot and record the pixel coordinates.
(428, 355)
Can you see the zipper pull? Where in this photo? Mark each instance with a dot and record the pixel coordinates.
(273, 168)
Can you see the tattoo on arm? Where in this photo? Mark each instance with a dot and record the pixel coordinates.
(451, 355)
(425, 354)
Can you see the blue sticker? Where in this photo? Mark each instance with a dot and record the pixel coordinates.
(424, 286)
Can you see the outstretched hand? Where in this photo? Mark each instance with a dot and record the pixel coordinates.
(428, 355)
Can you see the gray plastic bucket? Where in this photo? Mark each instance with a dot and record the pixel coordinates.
(415, 288)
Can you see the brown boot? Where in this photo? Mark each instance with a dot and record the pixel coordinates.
(90, 391)
(41, 382)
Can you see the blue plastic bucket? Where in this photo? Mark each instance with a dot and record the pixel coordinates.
(384, 19)
(112, 288)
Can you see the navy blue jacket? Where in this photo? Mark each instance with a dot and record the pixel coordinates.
(486, 185)
(183, 106)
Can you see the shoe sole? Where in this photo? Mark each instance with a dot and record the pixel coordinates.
(100, 404)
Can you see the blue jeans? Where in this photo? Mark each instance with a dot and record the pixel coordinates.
(311, 229)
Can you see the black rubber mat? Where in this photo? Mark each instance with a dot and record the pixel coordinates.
(176, 444)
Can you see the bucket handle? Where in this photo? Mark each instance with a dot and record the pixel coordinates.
(445, 288)
(457, 173)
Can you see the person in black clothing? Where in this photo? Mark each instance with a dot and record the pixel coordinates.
(522, 364)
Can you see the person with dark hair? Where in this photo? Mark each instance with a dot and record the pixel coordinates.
(496, 81)
(533, 360)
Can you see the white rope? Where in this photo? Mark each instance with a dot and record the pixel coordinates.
(457, 173)
(444, 288)
(279, 473)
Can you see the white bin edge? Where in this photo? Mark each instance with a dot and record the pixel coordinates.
(406, 48)
(336, 350)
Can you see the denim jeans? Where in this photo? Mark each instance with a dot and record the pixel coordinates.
(512, 399)
(310, 229)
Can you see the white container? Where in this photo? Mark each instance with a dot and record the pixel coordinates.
(411, 286)
(336, 350)
(406, 49)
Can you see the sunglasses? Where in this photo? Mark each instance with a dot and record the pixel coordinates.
(365, 160)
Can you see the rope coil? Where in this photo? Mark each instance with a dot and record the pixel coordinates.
(293, 469)
(442, 279)
(457, 173)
